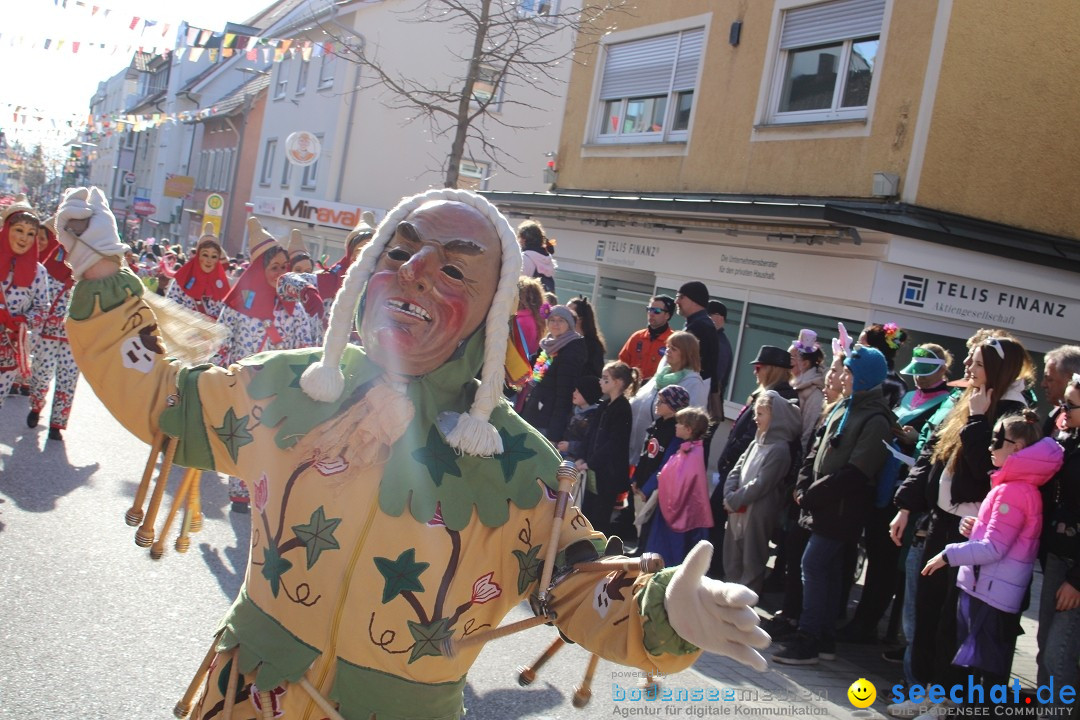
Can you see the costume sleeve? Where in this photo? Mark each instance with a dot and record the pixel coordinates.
(39, 303)
(1002, 529)
(771, 473)
(618, 615)
(911, 495)
(116, 345)
(811, 413)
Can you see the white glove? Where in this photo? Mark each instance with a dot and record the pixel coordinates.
(716, 616)
(99, 240)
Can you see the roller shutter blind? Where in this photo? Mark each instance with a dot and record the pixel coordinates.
(831, 22)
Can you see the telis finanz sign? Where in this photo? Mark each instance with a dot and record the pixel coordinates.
(975, 302)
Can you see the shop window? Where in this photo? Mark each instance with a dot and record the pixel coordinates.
(569, 284)
(647, 88)
(767, 325)
(826, 63)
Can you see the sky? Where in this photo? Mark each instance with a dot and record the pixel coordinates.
(58, 83)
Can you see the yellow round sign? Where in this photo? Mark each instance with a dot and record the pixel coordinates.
(215, 201)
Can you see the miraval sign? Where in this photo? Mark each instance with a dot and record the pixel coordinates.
(318, 212)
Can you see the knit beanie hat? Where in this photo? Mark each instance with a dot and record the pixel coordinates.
(561, 311)
(675, 396)
(589, 387)
(695, 291)
(868, 368)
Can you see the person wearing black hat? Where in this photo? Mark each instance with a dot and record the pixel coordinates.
(725, 358)
(772, 368)
(692, 299)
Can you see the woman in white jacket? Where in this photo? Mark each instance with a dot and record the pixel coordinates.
(681, 366)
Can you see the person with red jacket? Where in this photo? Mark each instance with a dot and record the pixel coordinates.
(645, 348)
(24, 290)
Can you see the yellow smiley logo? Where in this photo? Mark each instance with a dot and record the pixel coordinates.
(862, 693)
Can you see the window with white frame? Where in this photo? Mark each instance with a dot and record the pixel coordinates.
(488, 88)
(269, 151)
(647, 88)
(472, 175)
(326, 70)
(301, 78)
(826, 64)
(311, 172)
(537, 8)
(281, 85)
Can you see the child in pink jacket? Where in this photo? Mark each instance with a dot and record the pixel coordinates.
(685, 515)
(997, 562)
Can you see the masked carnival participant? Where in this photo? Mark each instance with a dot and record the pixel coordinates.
(24, 291)
(400, 504)
(202, 284)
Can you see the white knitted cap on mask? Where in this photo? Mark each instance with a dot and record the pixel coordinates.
(473, 433)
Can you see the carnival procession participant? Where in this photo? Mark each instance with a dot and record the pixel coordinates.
(24, 290)
(328, 282)
(446, 506)
(202, 284)
(259, 319)
(52, 353)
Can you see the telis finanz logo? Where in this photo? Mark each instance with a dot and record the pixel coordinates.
(600, 246)
(913, 290)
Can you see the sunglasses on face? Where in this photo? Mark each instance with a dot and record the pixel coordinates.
(1067, 406)
(1000, 439)
(655, 311)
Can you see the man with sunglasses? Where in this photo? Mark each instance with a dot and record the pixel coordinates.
(1058, 366)
(645, 348)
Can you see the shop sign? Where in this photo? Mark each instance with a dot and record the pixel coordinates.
(317, 212)
(143, 206)
(178, 186)
(978, 303)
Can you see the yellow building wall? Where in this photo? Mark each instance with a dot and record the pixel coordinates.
(723, 154)
(1004, 143)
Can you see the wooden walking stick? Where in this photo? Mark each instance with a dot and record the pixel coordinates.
(191, 483)
(527, 675)
(183, 707)
(230, 688)
(322, 702)
(157, 550)
(144, 536)
(583, 692)
(194, 508)
(134, 515)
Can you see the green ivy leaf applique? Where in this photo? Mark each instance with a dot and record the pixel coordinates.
(233, 433)
(318, 535)
(528, 567)
(438, 457)
(429, 638)
(274, 566)
(514, 451)
(401, 575)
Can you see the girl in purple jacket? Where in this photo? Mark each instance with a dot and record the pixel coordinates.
(996, 563)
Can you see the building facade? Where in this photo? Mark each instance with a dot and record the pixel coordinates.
(855, 160)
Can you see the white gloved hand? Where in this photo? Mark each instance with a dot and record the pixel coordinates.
(100, 238)
(714, 615)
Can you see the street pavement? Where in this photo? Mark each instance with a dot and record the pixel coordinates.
(91, 627)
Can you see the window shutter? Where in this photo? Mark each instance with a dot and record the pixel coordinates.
(686, 68)
(639, 68)
(831, 22)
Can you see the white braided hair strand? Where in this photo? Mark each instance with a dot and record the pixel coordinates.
(472, 434)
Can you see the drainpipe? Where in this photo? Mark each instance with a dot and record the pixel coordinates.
(349, 126)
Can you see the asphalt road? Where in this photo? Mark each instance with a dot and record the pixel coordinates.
(91, 627)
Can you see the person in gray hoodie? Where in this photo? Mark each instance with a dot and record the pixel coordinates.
(754, 489)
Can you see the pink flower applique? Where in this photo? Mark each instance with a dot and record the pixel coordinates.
(484, 589)
(262, 492)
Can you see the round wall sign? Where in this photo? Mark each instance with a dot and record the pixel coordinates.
(302, 148)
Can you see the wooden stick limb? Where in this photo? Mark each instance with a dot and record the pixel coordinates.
(230, 690)
(195, 504)
(144, 536)
(158, 548)
(647, 563)
(452, 647)
(134, 515)
(527, 675)
(567, 476)
(322, 702)
(183, 707)
(191, 482)
(266, 699)
(583, 692)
